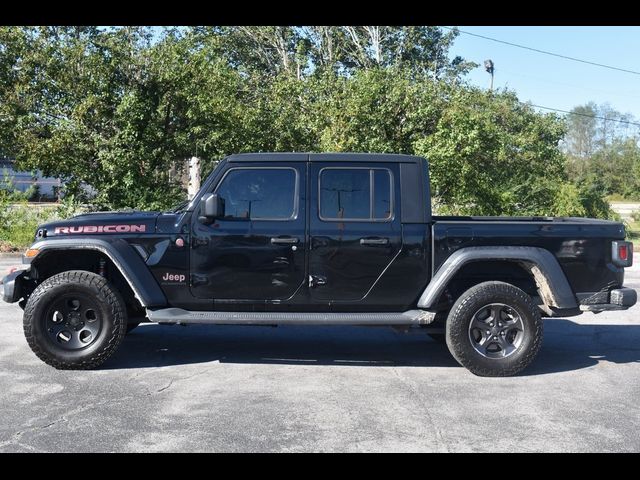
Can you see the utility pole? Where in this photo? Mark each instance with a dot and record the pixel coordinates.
(250, 202)
(489, 67)
(340, 191)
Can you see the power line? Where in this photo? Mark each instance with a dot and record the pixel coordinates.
(566, 57)
(627, 122)
(622, 94)
(584, 115)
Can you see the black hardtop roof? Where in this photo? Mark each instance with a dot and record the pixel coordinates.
(322, 157)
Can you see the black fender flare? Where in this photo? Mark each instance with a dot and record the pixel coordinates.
(132, 267)
(551, 280)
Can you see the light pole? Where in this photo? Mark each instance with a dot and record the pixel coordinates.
(339, 192)
(489, 67)
(251, 202)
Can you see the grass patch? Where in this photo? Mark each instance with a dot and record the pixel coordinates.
(620, 199)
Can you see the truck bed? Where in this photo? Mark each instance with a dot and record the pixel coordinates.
(581, 245)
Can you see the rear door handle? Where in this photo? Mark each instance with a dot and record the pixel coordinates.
(374, 241)
(284, 240)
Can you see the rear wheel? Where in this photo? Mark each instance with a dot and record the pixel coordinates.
(494, 329)
(74, 320)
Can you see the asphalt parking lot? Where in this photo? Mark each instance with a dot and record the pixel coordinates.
(218, 388)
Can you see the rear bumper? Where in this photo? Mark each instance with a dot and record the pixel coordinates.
(618, 299)
(13, 286)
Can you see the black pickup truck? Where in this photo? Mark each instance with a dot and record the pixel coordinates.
(330, 239)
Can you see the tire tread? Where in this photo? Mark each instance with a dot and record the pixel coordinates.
(110, 295)
(475, 295)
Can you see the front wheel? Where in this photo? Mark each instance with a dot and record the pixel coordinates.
(494, 329)
(74, 320)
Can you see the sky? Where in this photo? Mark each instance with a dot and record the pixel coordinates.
(554, 82)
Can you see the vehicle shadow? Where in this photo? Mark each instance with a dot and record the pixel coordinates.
(567, 346)
(162, 345)
(571, 346)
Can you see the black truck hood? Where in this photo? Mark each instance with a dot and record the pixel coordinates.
(102, 223)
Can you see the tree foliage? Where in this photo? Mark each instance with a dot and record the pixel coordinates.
(301, 51)
(121, 109)
(602, 151)
(85, 105)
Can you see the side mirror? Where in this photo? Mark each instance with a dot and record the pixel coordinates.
(211, 207)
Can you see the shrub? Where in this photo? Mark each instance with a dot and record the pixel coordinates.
(19, 221)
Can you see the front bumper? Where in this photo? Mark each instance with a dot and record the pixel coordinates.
(13, 286)
(618, 299)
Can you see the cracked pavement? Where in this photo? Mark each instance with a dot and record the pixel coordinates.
(220, 388)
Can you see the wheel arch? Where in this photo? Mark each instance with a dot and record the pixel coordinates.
(129, 265)
(540, 265)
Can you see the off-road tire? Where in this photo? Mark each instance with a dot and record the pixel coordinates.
(462, 313)
(111, 308)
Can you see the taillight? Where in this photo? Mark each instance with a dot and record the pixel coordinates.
(622, 253)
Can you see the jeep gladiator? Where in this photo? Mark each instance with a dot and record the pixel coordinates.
(328, 239)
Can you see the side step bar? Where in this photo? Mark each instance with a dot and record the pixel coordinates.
(178, 315)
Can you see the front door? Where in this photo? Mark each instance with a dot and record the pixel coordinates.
(355, 230)
(257, 250)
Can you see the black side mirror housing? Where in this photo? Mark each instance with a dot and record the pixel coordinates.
(211, 207)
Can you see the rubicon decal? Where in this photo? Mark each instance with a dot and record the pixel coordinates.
(100, 229)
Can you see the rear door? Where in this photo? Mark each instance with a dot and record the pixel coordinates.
(257, 251)
(354, 229)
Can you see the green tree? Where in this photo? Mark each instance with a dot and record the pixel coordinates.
(86, 105)
(78, 95)
(301, 51)
(492, 155)
(121, 110)
(600, 144)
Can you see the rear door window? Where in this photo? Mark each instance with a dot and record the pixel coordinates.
(358, 194)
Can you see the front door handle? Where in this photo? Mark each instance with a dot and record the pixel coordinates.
(374, 241)
(284, 240)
